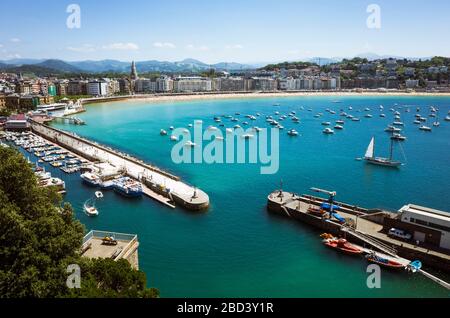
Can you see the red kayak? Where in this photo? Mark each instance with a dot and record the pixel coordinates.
(343, 246)
(373, 258)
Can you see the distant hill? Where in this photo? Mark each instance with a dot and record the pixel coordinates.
(34, 69)
(58, 65)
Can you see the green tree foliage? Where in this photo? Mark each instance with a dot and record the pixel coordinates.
(39, 237)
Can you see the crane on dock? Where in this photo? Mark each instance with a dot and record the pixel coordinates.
(331, 195)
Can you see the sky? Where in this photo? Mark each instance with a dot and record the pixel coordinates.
(245, 31)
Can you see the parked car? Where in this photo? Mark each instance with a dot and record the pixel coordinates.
(400, 234)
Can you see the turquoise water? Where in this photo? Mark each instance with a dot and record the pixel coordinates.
(237, 249)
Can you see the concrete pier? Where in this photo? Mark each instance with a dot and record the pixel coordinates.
(172, 189)
(363, 226)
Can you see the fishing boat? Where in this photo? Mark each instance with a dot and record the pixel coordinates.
(425, 128)
(385, 262)
(369, 157)
(342, 245)
(90, 209)
(127, 186)
(328, 131)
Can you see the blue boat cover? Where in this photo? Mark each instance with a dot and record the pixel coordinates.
(338, 217)
(326, 206)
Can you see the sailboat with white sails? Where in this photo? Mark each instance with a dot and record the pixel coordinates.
(386, 162)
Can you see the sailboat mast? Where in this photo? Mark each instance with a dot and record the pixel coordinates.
(392, 147)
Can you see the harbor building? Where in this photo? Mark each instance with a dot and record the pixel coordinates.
(101, 244)
(17, 123)
(426, 225)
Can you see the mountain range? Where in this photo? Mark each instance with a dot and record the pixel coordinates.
(43, 67)
(54, 66)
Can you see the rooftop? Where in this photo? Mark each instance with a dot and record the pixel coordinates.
(432, 213)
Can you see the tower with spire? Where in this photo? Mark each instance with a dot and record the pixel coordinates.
(133, 75)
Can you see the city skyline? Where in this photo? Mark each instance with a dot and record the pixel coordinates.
(246, 32)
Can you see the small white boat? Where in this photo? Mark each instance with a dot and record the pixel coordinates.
(326, 123)
(328, 131)
(237, 127)
(190, 144)
(229, 130)
(382, 115)
(190, 125)
(436, 124)
(292, 132)
(90, 209)
(398, 123)
(355, 119)
(340, 122)
(98, 194)
(185, 131)
(368, 116)
(219, 138)
(174, 138)
(447, 118)
(417, 122)
(339, 127)
(171, 128)
(212, 128)
(162, 132)
(425, 128)
(397, 136)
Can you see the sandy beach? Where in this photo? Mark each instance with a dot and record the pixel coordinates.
(239, 95)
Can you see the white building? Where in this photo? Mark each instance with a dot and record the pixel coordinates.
(412, 83)
(164, 84)
(427, 218)
(144, 85)
(97, 88)
(192, 84)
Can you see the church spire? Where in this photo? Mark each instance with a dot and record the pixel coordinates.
(133, 75)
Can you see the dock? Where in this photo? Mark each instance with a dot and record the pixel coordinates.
(157, 184)
(362, 226)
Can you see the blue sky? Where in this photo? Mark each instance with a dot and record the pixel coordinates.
(222, 30)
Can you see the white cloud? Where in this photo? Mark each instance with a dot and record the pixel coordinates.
(192, 47)
(13, 56)
(85, 48)
(1, 45)
(234, 47)
(15, 40)
(167, 45)
(121, 46)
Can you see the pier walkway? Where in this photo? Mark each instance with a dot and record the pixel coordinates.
(174, 190)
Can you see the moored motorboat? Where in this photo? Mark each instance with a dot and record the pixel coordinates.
(385, 262)
(127, 186)
(328, 131)
(342, 245)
